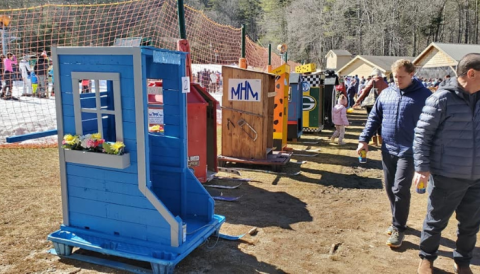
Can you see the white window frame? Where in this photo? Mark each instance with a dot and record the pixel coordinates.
(117, 101)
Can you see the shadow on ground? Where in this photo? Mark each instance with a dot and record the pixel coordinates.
(199, 261)
(328, 178)
(260, 208)
(337, 159)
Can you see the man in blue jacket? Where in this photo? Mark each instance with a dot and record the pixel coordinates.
(397, 110)
(447, 146)
(351, 91)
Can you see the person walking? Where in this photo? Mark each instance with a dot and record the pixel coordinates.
(351, 92)
(40, 69)
(376, 85)
(2, 91)
(339, 118)
(25, 70)
(8, 75)
(397, 109)
(446, 151)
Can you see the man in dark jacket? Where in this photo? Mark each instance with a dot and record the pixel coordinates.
(351, 91)
(447, 146)
(397, 110)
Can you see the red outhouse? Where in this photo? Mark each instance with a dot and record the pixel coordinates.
(202, 128)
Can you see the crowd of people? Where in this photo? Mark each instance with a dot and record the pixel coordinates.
(356, 89)
(34, 79)
(433, 83)
(427, 138)
(211, 80)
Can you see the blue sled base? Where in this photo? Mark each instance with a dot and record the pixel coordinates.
(162, 258)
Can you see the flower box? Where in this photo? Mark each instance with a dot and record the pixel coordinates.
(97, 158)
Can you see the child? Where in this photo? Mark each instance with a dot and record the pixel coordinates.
(85, 86)
(50, 74)
(339, 118)
(34, 81)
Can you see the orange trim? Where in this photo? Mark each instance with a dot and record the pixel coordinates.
(242, 63)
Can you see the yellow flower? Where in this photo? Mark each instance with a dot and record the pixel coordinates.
(118, 145)
(96, 136)
(154, 128)
(68, 138)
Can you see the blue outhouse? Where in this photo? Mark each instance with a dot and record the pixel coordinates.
(145, 204)
(295, 109)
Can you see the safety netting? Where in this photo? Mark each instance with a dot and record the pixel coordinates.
(29, 33)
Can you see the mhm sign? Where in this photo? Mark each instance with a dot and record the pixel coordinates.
(249, 90)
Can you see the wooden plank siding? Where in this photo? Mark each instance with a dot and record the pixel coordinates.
(358, 67)
(113, 198)
(235, 141)
(435, 58)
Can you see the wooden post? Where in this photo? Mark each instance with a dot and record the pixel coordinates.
(242, 63)
(269, 67)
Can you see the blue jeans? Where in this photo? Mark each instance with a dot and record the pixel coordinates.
(446, 196)
(351, 100)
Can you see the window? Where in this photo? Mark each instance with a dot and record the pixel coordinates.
(97, 104)
(155, 106)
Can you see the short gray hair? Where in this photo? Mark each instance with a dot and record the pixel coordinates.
(469, 61)
(376, 72)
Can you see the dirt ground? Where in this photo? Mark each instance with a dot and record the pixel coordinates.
(334, 201)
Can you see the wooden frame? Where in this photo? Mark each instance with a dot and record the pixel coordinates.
(97, 158)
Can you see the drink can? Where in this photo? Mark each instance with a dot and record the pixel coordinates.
(362, 158)
(421, 188)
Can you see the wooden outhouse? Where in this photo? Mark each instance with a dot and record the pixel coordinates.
(247, 113)
(145, 204)
(313, 103)
(295, 107)
(247, 118)
(280, 107)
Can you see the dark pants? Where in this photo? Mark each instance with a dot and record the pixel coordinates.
(8, 77)
(447, 195)
(398, 174)
(351, 100)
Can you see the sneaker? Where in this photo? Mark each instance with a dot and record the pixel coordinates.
(390, 230)
(396, 239)
(332, 139)
(462, 269)
(425, 267)
(341, 143)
